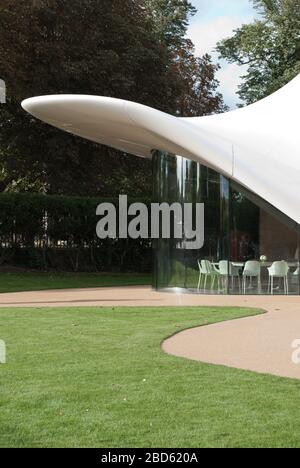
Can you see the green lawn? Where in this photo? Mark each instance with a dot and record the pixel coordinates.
(96, 377)
(13, 282)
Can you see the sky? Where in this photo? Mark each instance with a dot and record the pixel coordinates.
(216, 20)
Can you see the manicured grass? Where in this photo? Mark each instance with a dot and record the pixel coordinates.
(97, 377)
(13, 282)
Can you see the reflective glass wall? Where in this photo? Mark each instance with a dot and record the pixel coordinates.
(249, 247)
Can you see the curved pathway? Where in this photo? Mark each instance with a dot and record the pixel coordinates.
(261, 344)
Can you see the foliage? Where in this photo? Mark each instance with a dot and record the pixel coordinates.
(125, 49)
(270, 47)
(171, 19)
(199, 95)
(90, 47)
(39, 231)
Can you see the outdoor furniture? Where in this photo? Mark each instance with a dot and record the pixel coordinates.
(295, 276)
(279, 270)
(201, 273)
(228, 269)
(209, 271)
(205, 271)
(252, 270)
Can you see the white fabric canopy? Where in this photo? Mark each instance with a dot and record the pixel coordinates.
(257, 146)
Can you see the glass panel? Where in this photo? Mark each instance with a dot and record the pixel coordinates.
(239, 228)
(177, 179)
(262, 234)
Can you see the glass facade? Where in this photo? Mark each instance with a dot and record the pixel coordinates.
(249, 248)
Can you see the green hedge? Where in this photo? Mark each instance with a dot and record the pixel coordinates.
(46, 232)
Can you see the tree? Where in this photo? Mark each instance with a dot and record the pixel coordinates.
(171, 19)
(85, 46)
(127, 49)
(270, 47)
(199, 95)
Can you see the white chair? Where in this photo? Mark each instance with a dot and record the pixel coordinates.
(215, 275)
(209, 271)
(278, 270)
(227, 269)
(295, 276)
(201, 273)
(251, 270)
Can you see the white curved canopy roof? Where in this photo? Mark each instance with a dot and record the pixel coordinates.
(257, 146)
